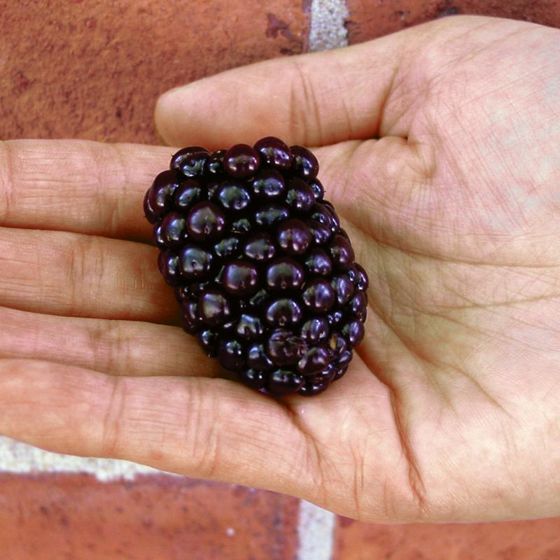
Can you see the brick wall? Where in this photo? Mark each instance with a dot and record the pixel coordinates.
(93, 69)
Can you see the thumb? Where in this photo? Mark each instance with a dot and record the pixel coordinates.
(313, 99)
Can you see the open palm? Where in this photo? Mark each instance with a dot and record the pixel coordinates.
(440, 148)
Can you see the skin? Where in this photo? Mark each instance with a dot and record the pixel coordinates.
(440, 147)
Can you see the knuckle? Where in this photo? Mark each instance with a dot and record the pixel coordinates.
(202, 432)
(110, 347)
(112, 425)
(304, 107)
(85, 262)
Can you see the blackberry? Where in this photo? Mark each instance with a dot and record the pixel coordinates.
(264, 273)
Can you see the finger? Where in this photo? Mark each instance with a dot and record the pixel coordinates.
(82, 275)
(130, 348)
(206, 428)
(312, 99)
(78, 186)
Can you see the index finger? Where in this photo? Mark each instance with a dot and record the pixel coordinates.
(78, 186)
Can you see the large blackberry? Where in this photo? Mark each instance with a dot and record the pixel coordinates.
(262, 269)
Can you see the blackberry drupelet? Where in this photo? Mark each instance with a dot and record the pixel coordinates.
(263, 271)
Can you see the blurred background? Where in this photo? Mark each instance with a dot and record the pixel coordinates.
(93, 69)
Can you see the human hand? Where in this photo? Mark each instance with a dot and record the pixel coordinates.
(450, 409)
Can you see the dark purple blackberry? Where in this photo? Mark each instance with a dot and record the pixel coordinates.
(264, 273)
(190, 161)
(274, 153)
(241, 161)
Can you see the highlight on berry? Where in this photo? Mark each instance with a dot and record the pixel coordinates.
(263, 272)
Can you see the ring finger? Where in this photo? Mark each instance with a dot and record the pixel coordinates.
(130, 348)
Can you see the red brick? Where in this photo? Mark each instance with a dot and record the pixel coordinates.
(50, 517)
(373, 18)
(93, 69)
(520, 540)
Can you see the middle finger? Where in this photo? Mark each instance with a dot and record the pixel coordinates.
(79, 275)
